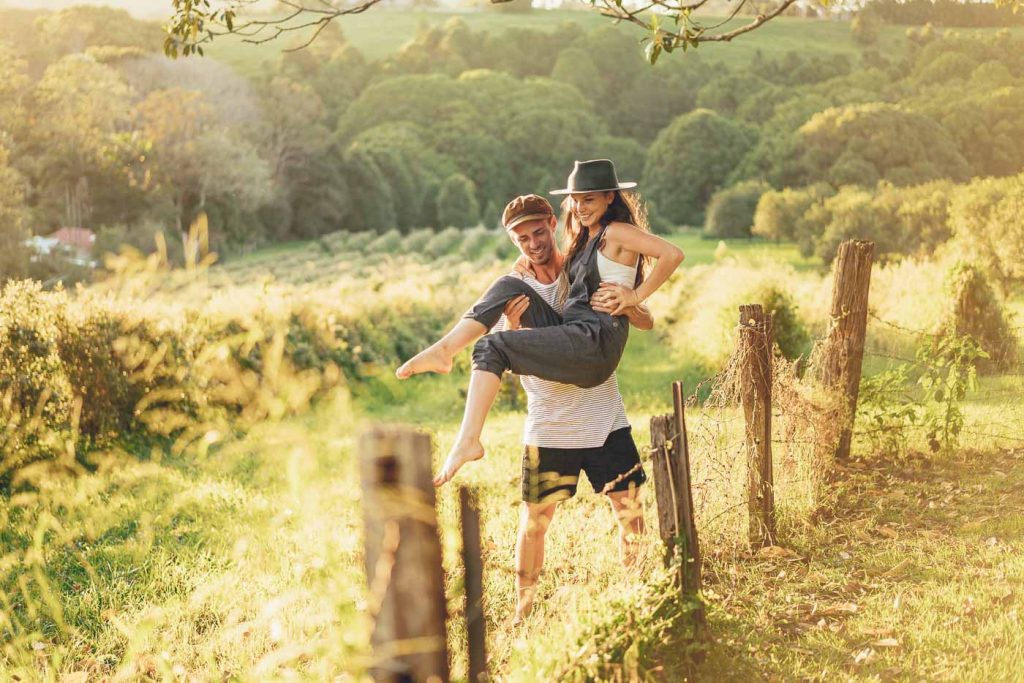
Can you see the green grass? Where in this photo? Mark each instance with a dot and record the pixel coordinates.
(247, 563)
(700, 250)
(381, 32)
(918, 576)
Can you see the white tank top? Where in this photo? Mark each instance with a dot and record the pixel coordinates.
(613, 271)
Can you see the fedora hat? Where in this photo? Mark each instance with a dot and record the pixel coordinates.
(596, 175)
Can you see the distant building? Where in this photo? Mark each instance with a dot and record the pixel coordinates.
(76, 238)
(74, 244)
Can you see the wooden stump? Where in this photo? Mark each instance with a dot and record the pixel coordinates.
(674, 495)
(843, 351)
(472, 560)
(755, 350)
(403, 557)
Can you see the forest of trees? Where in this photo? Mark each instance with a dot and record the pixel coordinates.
(99, 130)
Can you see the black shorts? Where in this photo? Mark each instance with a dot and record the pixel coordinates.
(552, 474)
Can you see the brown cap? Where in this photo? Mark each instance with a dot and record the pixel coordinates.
(524, 208)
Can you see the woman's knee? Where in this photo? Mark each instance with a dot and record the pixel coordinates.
(488, 357)
(515, 285)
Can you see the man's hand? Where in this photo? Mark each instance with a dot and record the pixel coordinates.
(514, 310)
(613, 299)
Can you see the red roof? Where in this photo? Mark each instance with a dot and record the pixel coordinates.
(80, 238)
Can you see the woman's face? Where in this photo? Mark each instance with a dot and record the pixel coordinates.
(589, 207)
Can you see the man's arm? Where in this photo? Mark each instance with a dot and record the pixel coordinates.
(639, 316)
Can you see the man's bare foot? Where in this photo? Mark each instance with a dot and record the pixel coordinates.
(431, 359)
(524, 608)
(461, 453)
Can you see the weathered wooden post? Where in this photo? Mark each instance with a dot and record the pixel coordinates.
(472, 561)
(674, 495)
(403, 557)
(842, 353)
(756, 382)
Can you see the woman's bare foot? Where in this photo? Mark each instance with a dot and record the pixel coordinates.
(431, 359)
(461, 453)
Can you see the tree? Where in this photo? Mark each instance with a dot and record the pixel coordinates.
(862, 144)
(83, 111)
(853, 213)
(456, 202)
(782, 214)
(195, 160)
(373, 200)
(864, 27)
(690, 160)
(75, 29)
(986, 219)
(731, 211)
(727, 93)
(13, 87)
(13, 232)
(986, 124)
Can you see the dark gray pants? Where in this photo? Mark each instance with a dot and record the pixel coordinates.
(584, 352)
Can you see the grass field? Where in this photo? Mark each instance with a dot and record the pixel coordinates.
(243, 562)
(309, 262)
(381, 31)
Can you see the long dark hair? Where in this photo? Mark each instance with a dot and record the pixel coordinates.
(627, 207)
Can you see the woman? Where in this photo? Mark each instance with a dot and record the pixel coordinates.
(581, 347)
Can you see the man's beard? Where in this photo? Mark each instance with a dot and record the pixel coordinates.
(543, 259)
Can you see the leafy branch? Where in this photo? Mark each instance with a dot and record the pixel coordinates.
(669, 23)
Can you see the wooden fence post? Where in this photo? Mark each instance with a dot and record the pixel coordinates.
(674, 496)
(756, 381)
(472, 561)
(403, 557)
(843, 350)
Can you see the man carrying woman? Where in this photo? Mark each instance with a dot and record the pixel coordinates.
(577, 309)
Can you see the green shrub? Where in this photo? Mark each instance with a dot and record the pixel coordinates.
(457, 205)
(476, 242)
(359, 241)
(36, 395)
(445, 242)
(978, 312)
(390, 243)
(789, 332)
(416, 240)
(731, 211)
(336, 241)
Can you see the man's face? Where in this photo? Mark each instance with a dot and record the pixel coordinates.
(536, 239)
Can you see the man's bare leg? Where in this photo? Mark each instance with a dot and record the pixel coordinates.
(630, 515)
(438, 356)
(534, 520)
(483, 389)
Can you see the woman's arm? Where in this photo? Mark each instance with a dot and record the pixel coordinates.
(667, 255)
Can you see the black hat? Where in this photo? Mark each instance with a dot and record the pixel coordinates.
(596, 175)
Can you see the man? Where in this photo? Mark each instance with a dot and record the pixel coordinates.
(568, 429)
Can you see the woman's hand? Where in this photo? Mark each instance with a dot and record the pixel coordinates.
(613, 299)
(514, 310)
